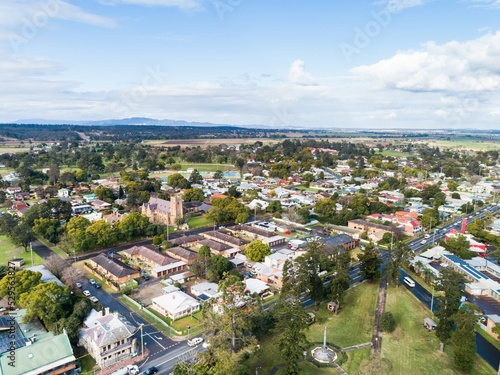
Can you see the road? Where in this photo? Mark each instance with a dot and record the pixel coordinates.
(417, 246)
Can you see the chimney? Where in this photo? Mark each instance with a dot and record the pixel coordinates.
(106, 310)
(115, 314)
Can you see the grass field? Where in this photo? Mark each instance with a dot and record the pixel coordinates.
(466, 144)
(354, 323)
(393, 153)
(209, 142)
(199, 221)
(410, 348)
(13, 150)
(10, 251)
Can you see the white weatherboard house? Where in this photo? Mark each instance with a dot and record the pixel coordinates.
(175, 305)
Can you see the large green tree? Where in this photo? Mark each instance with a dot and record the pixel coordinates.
(398, 256)
(191, 195)
(370, 263)
(464, 338)
(307, 272)
(257, 250)
(451, 283)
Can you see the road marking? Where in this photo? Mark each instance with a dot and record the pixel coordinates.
(154, 340)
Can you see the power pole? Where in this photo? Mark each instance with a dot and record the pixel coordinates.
(31, 249)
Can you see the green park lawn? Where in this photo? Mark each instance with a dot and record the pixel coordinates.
(199, 221)
(10, 251)
(412, 349)
(353, 325)
(393, 153)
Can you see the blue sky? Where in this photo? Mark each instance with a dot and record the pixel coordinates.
(324, 64)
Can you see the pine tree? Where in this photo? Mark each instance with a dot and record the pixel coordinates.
(464, 338)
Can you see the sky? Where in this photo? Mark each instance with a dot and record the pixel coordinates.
(410, 64)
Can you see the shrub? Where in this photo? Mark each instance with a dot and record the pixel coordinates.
(387, 322)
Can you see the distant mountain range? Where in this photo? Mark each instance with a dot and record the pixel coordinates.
(126, 121)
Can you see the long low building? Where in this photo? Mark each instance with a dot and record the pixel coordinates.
(474, 271)
(113, 268)
(266, 236)
(225, 238)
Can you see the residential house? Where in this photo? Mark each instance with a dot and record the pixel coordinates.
(18, 205)
(101, 205)
(21, 196)
(334, 243)
(13, 190)
(63, 193)
(113, 218)
(493, 321)
(108, 337)
(375, 231)
(215, 247)
(175, 305)
(162, 264)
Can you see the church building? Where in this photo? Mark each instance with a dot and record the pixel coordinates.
(163, 212)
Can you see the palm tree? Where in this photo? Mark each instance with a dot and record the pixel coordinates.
(428, 274)
(419, 265)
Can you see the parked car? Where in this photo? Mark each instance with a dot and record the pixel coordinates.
(327, 278)
(145, 277)
(195, 341)
(86, 293)
(92, 282)
(206, 344)
(78, 285)
(97, 285)
(93, 299)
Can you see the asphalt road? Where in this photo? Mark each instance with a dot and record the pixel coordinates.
(417, 246)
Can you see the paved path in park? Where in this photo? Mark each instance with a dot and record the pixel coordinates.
(354, 347)
(377, 332)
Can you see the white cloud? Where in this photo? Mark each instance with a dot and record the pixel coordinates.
(493, 4)
(183, 4)
(395, 6)
(455, 66)
(14, 14)
(298, 75)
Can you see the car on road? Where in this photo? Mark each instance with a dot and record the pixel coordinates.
(195, 341)
(78, 285)
(97, 285)
(86, 293)
(423, 242)
(145, 277)
(92, 281)
(93, 299)
(150, 371)
(427, 236)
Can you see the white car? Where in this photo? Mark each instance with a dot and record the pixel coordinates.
(195, 341)
(86, 293)
(79, 285)
(423, 242)
(427, 236)
(93, 299)
(206, 344)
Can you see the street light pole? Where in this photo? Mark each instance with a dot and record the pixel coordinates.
(432, 298)
(142, 342)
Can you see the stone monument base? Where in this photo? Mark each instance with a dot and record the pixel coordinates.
(322, 355)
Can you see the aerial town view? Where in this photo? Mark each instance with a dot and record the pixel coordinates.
(232, 187)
